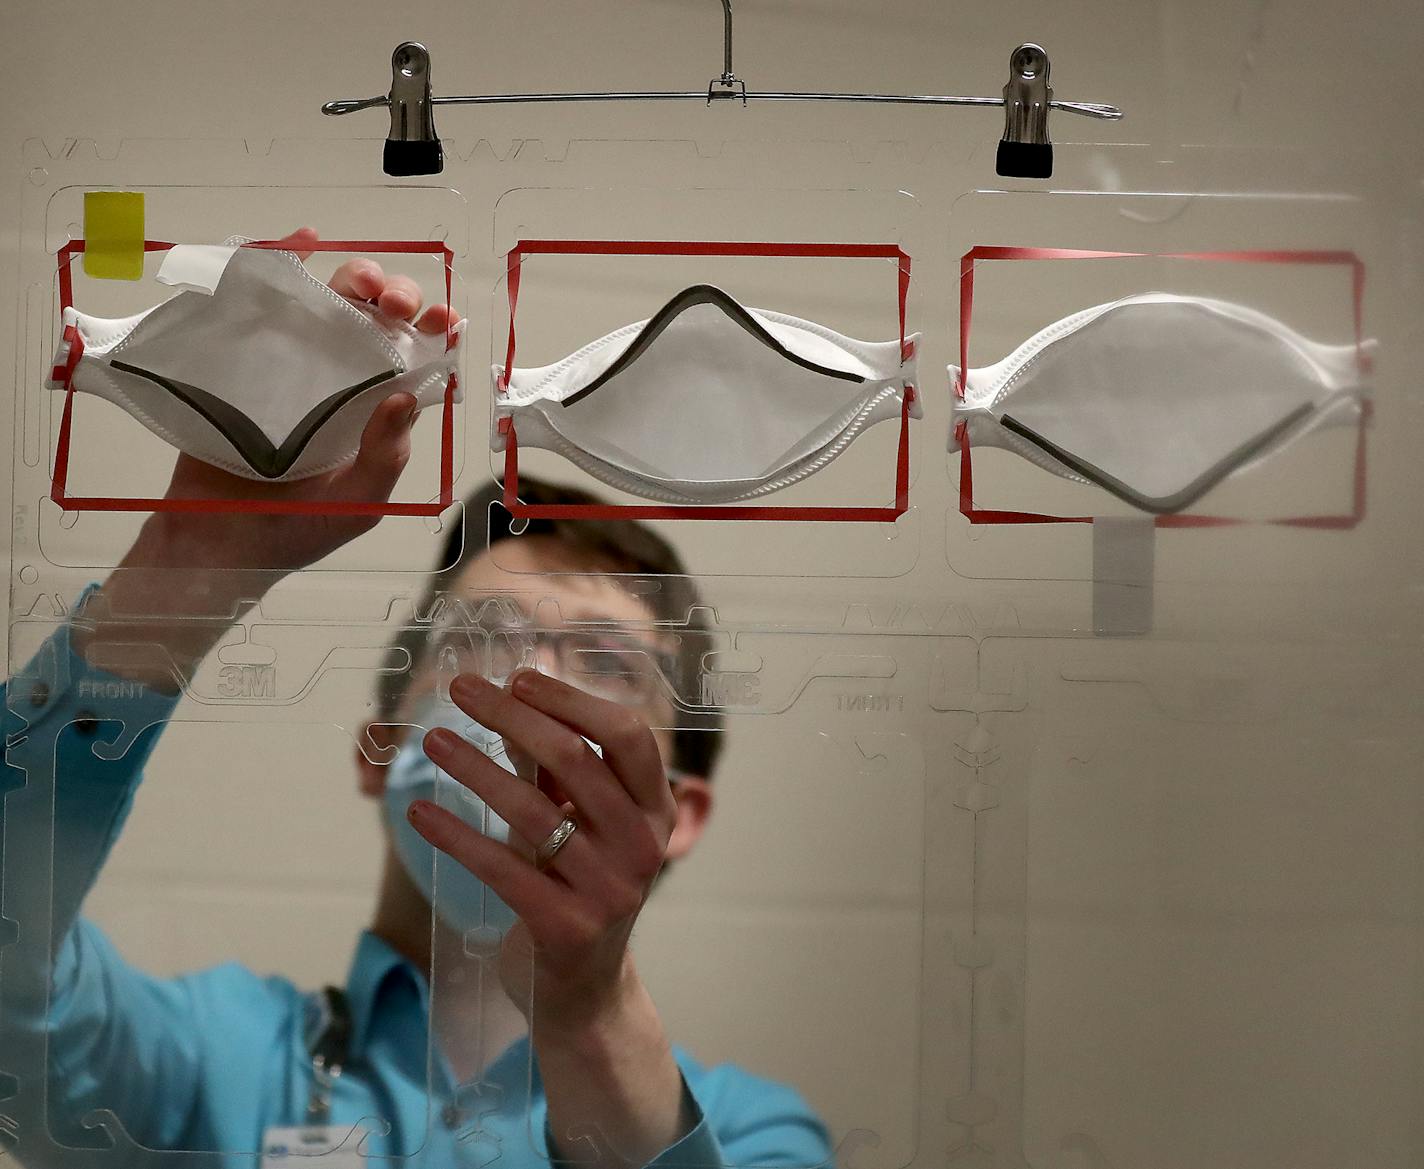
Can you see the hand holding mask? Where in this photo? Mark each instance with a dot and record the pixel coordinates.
(194, 541)
(257, 367)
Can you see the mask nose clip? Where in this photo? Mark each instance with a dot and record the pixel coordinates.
(412, 147)
(1025, 151)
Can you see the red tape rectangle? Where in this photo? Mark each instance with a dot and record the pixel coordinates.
(58, 489)
(747, 512)
(967, 263)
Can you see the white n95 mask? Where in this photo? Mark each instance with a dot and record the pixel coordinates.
(707, 401)
(258, 367)
(1156, 398)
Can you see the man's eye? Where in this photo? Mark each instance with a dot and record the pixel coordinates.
(612, 660)
(606, 663)
(510, 650)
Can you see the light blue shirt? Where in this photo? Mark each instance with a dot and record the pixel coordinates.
(211, 1060)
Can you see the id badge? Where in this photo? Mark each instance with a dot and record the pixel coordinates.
(302, 1145)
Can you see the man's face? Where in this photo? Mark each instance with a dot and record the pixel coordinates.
(539, 605)
(542, 602)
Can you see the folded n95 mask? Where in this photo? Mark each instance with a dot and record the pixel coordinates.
(1157, 397)
(707, 401)
(257, 367)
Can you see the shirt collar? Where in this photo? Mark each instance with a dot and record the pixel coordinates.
(373, 964)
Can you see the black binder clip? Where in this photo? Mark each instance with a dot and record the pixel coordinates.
(412, 147)
(1025, 151)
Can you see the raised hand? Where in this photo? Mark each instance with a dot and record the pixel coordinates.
(603, 1055)
(576, 913)
(190, 573)
(288, 542)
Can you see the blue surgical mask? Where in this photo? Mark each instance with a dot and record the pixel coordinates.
(462, 901)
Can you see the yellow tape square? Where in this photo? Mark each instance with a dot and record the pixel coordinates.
(113, 235)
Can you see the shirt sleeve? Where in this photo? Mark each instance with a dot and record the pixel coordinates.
(114, 1036)
(741, 1120)
(751, 1121)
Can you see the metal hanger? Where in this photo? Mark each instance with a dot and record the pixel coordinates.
(1025, 151)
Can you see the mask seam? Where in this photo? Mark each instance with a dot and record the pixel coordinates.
(222, 462)
(537, 390)
(368, 326)
(367, 323)
(812, 463)
(333, 464)
(1005, 438)
(1031, 350)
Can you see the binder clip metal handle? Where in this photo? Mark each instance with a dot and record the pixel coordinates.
(1025, 151)
(412, 147)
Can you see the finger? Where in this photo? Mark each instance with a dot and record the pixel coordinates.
(438, 318)
(299, 240)
(599, 797)
(527, 811)
(359, 279)
(529, 771)
(523, 807)
(540, 900)
(384, 451)
(524, 764)
(401, 297)
(186, 469)
(629, 749)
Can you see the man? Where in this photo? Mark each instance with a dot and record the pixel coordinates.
(567, 1058)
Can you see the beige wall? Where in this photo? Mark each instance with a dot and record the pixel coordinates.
(1162, 907)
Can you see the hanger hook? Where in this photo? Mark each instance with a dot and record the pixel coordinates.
(727, 74)
(729, 84)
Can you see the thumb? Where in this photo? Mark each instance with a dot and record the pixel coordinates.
(384, 451)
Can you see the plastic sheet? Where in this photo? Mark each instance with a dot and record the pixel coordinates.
(1067, 845)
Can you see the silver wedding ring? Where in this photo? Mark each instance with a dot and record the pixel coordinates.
(545, 853)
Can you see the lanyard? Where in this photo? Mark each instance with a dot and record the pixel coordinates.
(328, 1034)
